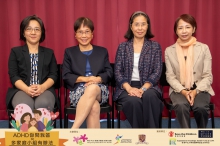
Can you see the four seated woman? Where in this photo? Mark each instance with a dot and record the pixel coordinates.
(138, 65)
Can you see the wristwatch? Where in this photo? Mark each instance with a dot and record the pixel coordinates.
(144, 89)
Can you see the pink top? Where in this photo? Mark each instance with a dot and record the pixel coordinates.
(24, 127)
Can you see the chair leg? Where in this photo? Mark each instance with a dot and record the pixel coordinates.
(160, 122)
(9, 122)
(113, 124)
(61, 122)
(108, 120)
(55, 123)
(169, 120)
(213, 119)
(118, 119)
(65, 120)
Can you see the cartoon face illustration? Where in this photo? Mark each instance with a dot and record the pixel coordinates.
(37, 116)
(27, 118)
(33, 122)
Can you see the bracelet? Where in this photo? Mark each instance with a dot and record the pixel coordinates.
(144, 89)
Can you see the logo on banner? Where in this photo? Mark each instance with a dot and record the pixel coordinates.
(118, 138)
(80, 140)
(171, 133)
(205, 134)
(142, 139)
(172, 141)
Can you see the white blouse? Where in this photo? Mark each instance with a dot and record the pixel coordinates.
(135, 74)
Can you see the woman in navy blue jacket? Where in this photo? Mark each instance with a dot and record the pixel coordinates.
(138, 67)
(86, 73)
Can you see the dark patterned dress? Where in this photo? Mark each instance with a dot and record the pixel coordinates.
(79, 91)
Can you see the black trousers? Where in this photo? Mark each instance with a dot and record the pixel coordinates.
(142, 112)
(200, 109)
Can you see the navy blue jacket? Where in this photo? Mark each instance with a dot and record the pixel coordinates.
(74, 65)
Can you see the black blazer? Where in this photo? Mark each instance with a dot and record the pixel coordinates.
(74, 65)
(19, 68)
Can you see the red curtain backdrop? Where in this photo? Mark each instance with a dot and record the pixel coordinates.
(110, 18)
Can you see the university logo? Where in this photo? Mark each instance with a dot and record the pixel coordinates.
(172, 141)
(171, 133)
(142, 139)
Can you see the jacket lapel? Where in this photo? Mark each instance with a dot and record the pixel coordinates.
(146, 47)
(174, 54)
(25, 52)
(93, 61)
(40, 63)
(130, 52)
(197, 51)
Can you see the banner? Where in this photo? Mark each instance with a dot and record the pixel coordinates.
(110, 137)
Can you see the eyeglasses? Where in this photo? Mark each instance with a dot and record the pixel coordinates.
(80, 33)
(30, 29)
(140, 24)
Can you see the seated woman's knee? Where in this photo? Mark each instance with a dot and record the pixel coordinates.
(93, 89)
(200, 108)
(150, 94)
(182, 106)
(135, 101)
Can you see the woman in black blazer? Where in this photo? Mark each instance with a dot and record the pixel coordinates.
(32, 68)
(86, 73)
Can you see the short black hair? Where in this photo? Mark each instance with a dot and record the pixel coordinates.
(24, 24)
(187, 18)
(129, 34)
(85, 22)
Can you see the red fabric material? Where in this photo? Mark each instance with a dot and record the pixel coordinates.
(110, 18)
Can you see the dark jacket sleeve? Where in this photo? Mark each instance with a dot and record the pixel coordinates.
(154, 77)
(13, 69)
(69, 77)
(52, 68)
(119, 66)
